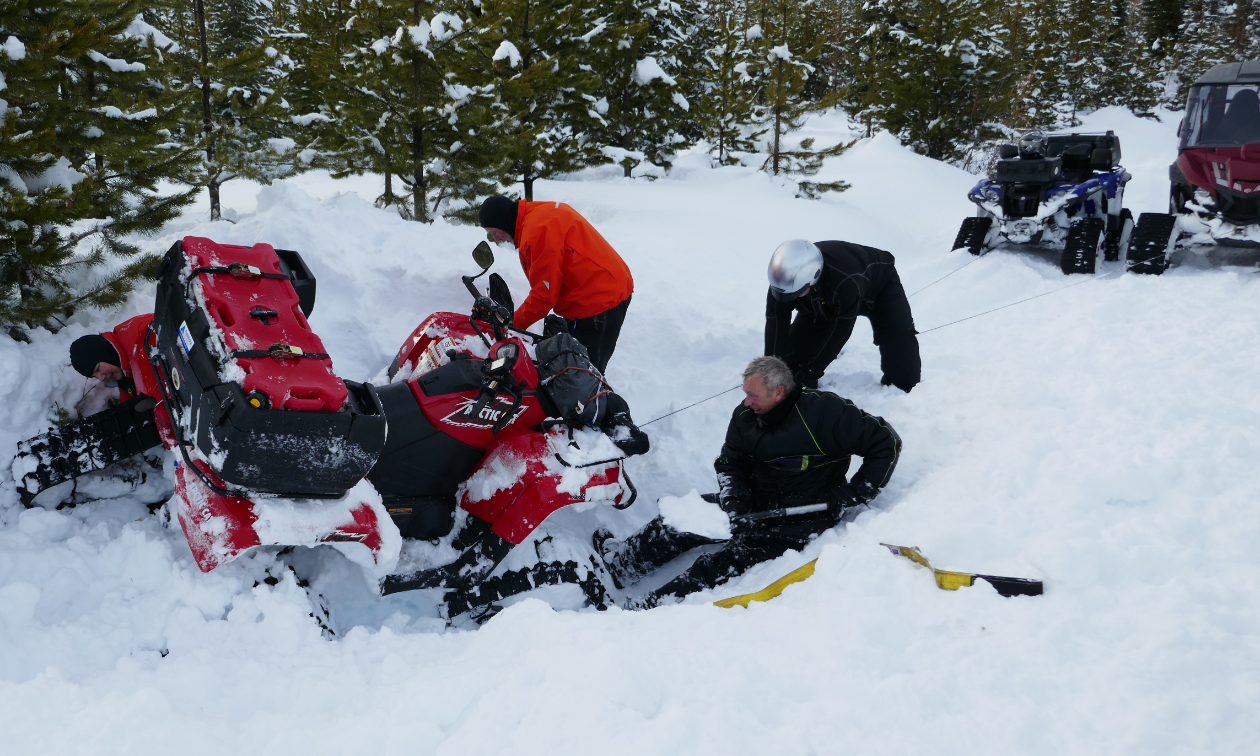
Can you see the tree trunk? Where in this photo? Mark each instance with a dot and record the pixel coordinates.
(778, 115)
(419, 191)
(207, 127)
(528, 181)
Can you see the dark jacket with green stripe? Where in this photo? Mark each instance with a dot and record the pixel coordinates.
(799, 453)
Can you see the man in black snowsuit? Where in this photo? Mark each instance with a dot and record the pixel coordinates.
(828, 285)
(785, 447)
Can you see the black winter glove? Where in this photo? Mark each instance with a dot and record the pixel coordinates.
(733, 496)
(852, 495)
(554, 324)
(806, 378)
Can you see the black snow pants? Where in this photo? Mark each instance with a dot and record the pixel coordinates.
(820, 341)
(599, 333)
(657, 544)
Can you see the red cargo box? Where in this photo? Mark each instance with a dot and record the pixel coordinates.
(256, 308)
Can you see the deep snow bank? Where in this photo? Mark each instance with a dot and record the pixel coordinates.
(1102, 439)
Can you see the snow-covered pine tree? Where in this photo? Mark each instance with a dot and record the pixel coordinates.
(1025, 57)
(644, 111)
(233, 76)
(785, 40)
(727, 104)
(861, 43)
(936, 81)
(393, 91)
(544, 108)
(1078, 37)
(1130, 69)
(1211, 32)
(85, 138)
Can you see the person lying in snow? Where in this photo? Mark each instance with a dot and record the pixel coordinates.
(786, 446)
(108, 357)
(827, 285)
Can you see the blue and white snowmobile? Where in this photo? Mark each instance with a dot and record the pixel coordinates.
(1063, 192)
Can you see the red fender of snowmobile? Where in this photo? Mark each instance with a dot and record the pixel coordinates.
(221, 527)
(516, 511)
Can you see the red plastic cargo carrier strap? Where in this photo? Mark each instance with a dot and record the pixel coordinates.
(255, 306)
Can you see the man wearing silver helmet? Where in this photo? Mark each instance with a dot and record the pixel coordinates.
(826, 286)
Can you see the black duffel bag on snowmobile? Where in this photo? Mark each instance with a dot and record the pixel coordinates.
(247, 380)
(569, 385)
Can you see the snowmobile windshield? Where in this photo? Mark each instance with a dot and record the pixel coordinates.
(1220, 115)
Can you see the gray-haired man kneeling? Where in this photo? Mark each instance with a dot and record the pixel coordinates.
(786, 448)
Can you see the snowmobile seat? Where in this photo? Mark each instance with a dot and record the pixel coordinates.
(1076, 162)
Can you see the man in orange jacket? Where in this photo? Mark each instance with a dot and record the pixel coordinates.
(571, 270)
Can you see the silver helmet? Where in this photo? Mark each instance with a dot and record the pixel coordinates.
(1033, 145)
(794, 266)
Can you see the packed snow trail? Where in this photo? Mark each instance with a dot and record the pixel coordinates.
(1102, 439)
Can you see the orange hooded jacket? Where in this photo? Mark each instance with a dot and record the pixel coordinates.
(570, 267)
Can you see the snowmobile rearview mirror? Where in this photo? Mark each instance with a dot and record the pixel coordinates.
(483, 255)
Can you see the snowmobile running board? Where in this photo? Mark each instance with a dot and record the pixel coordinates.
(945, 580)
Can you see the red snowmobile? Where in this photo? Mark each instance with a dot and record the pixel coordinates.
(274, 450)
(1214, 202)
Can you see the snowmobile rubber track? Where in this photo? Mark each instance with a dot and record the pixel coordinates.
(1151, 243)
(1080, 251)
(85, 446)
(1115, 243)
(476, 562)
(515, 582)
(972, 234)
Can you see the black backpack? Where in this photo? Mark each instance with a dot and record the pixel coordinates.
(569, 383)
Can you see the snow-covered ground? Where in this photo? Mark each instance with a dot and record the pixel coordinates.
(1103, 439)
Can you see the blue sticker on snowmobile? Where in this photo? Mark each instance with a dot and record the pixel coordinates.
(185, 338)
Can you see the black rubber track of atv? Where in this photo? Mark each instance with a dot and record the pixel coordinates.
(1080, 251)
(1111, 244)
(972, 234)
(1148, 246)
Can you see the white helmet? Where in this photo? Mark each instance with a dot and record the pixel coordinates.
(794, 266)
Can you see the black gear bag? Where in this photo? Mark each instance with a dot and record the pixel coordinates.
(570, 386)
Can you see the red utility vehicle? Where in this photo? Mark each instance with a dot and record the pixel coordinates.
(1215, 198)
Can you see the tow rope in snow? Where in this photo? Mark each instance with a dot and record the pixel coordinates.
(689, 406)
(934, 328)
(1029, 299)
(947, 275)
